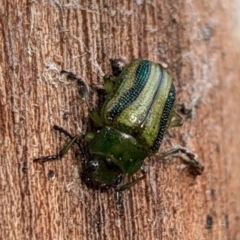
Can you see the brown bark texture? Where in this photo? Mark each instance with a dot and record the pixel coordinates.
(198, 41)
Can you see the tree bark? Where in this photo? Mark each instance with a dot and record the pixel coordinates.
(196, 40)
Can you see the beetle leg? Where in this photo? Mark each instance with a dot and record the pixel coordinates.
(57, 156)
(130, 184)
(195, 166)
(143, 170)
(95, 116)
(85, 92)
(119, 199)
(64, 150)
(84, 89)
(177, 121)
(117, 65)
(183, 109)
(89, 136)
(109, 82)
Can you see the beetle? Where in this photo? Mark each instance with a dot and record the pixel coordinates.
(139, 108)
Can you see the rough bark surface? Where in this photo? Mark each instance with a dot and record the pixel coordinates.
(196, 40)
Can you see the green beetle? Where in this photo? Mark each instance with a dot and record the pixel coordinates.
(138, 109)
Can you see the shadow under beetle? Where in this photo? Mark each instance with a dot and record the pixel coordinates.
(139, 107)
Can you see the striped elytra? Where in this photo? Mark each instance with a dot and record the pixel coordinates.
(141, 103)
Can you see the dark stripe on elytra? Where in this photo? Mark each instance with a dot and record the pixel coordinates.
(164, 119)
(141, 78)
(160, 79)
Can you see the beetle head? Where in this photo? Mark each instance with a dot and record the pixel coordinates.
(102, 173)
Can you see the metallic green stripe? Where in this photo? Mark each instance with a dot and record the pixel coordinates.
(164, 119)
(131, 83)
(135, 115)
(154, 126)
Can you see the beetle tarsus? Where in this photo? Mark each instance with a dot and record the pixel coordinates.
(47, 158)
(195, 166)
(84, 90)
(183, 109)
